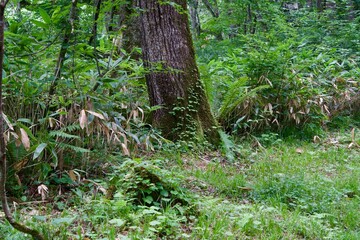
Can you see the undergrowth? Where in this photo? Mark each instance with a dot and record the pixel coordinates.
(286, 189)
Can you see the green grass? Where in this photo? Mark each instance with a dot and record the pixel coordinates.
(288, 190)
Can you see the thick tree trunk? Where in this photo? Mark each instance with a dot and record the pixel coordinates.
(173, 80)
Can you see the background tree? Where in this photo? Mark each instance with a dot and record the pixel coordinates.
(173, 79)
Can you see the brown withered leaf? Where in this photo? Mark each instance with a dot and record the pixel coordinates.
(7, 121)
(72, 175)
(99, 115)
(25, 139)
(83, 119)
(299, 150)
(125, 149)
(353, 135)
(43, 191)
(316, 139)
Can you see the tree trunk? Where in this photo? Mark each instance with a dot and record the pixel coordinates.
(213, 8)
(320, 5)
(69, 30)
(194, 16)
(173, 79)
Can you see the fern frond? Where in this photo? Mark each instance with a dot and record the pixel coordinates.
(235, 96)
(71, 128)
(227, 146)
(74, 148)
(60, 133)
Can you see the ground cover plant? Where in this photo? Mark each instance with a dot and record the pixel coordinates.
(96, 144)
(290, 189)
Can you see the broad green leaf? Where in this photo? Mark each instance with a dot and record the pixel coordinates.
(40, 24)
(57, 221)
(45, 16)
(40, 218)
(154, 223)
(148, 199)
(24, 120)
(39, 150)
(117, 222)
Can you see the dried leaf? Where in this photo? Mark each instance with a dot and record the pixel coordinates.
(353, 135)
(99, 115)
(43, 190)
(102, 189)
(316, 139)
(125, 149)
(20, 165)
(25, 139)
(18, 142)
(72, 175)
(299, 150)
(51, 122)
(18, 179)
(83, 119)
(135, 114)
(142, 113)
(8, 122)
(270, 108)
(14, 135)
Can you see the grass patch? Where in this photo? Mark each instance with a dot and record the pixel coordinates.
(288, 190)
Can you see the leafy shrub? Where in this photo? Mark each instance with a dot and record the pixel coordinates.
(271, 83)
(146, 184)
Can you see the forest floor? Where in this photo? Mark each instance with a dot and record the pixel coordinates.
(276, 189)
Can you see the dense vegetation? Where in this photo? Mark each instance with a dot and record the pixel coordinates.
(86, 162)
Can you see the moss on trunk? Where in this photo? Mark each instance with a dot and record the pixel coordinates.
(173, 80)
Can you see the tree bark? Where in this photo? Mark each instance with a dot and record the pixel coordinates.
(320, 5)
(213, 8)
(194, 16)
(69, 30)
(173, 79)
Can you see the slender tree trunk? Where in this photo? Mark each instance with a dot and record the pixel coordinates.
(194, 16)
(212, 8)
(173, 80)
(92, 40)
(320, 5)
(69, 30)
(356, 5)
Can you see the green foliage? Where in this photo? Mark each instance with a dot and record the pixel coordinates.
(146, 184)
(264, 67)
(227, 146)
(311, 79)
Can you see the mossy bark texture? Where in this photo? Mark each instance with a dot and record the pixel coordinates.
(173, 79)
